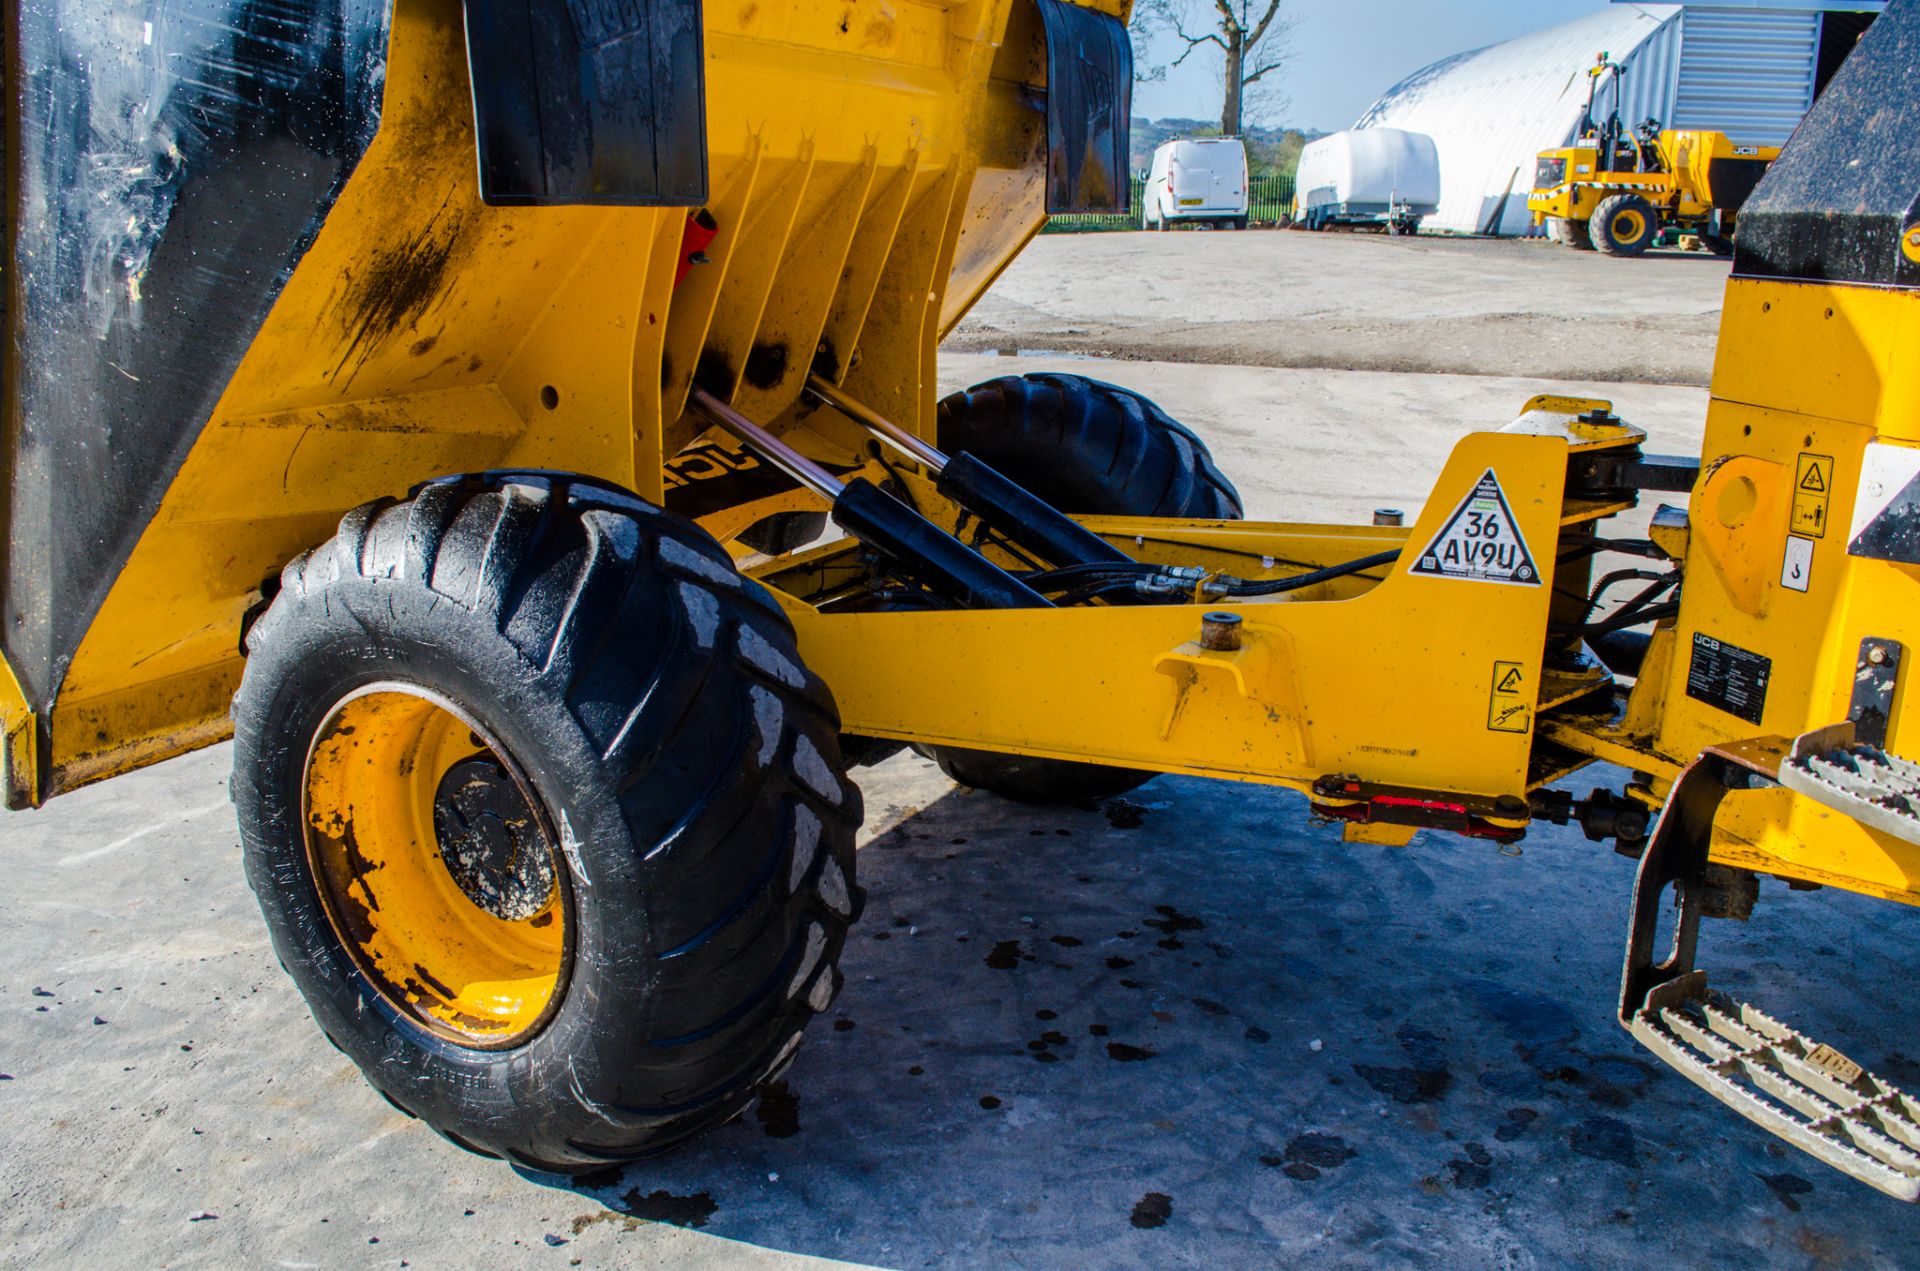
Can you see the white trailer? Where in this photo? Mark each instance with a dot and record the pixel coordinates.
(1370, 176)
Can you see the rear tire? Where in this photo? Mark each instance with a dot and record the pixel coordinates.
(645, 806)
(1623, 225)
(1090, 449)
(1087, 447)
(1574, 234)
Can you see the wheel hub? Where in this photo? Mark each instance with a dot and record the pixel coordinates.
(491, 841)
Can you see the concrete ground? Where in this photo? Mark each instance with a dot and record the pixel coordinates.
(1187, 1029)
(1358, 301)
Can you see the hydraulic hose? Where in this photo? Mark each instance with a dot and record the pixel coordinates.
(1314, 577)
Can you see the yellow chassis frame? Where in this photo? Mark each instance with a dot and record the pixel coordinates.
(1301, 699)
(1480, 713)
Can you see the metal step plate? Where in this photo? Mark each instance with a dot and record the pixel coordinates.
(1877, 789)
(1806, 1092)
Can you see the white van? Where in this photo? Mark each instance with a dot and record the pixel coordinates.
(1203, 181)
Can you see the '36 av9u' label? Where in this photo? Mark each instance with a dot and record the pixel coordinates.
(1480, 542)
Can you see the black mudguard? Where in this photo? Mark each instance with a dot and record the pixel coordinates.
(589, 101)
(1089, 103)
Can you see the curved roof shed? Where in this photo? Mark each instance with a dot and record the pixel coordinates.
(1491, 111)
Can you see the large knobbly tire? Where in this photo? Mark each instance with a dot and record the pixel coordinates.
(676, 768)
(1623, 225)
(1090, 449)
(1574, 234)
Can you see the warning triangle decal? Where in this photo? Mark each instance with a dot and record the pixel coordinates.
(1480, 542)
(1812, 482)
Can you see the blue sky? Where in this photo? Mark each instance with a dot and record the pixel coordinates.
(1345, 53)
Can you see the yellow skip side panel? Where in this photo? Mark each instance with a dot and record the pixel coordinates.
(425, 333)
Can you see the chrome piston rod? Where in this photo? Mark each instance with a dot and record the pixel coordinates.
(1016, 512)
(899, 438)
(767, 446)
(916, 546)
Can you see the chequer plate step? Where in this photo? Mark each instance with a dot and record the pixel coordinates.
(1806, 1092)
(1865, 782)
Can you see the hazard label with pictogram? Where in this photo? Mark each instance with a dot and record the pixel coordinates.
(1509, 708)
(1480, 542)
(1812, 488)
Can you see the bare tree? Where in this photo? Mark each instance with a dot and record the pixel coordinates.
(1252, 36)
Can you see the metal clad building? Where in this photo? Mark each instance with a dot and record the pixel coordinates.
(1750, 70)
(1746, 72)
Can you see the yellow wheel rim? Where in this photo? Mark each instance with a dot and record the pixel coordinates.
(437, 866)
(1628, 226)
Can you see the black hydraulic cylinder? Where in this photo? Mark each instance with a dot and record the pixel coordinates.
(1025, 518)
(922, 550)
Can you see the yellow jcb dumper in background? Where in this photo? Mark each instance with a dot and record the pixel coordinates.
(448, 401)
(1617, 191)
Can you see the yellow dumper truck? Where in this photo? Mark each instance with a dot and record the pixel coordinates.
(1616, 191)
(449, 404)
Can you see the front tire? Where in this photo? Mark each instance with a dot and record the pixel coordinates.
(1090, 449)
(546, 818)
(1623, 225)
